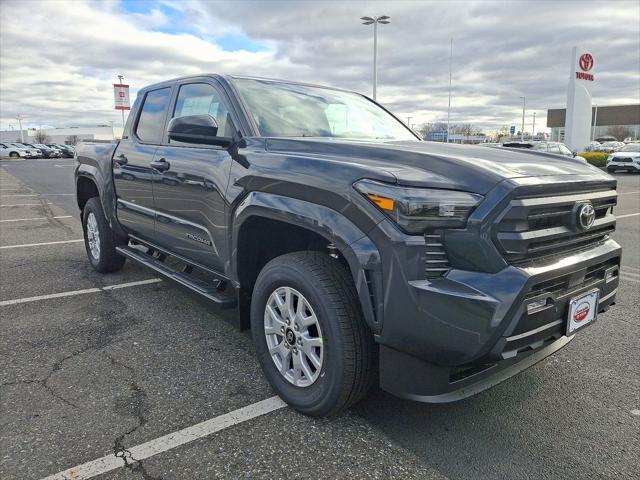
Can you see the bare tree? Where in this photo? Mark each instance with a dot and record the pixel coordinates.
(427, 128)
(41, 137)
(467, 130)
(72, 140)
(619, 131)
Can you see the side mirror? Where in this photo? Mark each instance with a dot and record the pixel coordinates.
(574, 153)
(200, 129)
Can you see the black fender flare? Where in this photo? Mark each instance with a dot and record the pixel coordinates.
(106, 193)
(354, 245)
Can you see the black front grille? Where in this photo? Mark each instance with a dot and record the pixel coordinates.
(622, 159)
(534, 229)
(436, 260)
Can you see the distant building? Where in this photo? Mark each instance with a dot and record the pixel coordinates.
(441, 136)
(60, 135)
(604, 120)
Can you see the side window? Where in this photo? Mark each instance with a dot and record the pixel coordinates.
(151, 122)
(203, 99)
(554, 149)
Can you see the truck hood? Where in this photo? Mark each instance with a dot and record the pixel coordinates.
(440, 165)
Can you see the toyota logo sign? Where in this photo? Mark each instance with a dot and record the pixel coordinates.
(586, 61)
(586, 216)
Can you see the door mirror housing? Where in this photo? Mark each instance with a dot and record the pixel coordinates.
(199, 129)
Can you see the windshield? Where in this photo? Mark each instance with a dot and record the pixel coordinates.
(632, 147)
(290, 110)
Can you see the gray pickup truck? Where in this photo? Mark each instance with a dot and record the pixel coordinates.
(357, 254)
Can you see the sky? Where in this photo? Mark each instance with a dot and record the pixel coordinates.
(59, 59)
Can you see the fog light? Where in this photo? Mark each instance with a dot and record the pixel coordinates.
(536, 306)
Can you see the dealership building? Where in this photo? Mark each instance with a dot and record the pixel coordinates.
(605, 121)
(62, 135)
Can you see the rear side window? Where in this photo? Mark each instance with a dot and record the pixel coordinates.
(151, 122)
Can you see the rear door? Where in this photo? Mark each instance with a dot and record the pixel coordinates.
(132, 172)
(189, 188)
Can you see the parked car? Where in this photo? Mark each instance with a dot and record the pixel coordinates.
(66, 150)
(592, 147)
(33, 152)
(357, 253)
(626, 158)
(556, 148)
(43, 152)
(609, 147)
(11, 151)
(53, 152)
(606, 138)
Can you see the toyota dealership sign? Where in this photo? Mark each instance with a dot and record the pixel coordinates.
(585, 64)
(121, 96)
(577, 129)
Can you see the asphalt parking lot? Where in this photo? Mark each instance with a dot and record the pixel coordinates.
(95, 366)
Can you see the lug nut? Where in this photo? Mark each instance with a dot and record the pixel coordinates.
(296, 327)
(300, 341)
(282, 329)
(295, 350)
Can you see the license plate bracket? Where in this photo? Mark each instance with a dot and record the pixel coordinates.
(583, 311)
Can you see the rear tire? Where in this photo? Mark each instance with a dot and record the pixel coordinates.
(99, 240)
(14, 155)
(344, 365)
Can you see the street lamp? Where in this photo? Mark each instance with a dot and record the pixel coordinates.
(375, 21)
(523, 109)
(533, 127)
(20, 118)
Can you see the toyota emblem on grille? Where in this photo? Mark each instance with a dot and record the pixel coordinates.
(586, 216)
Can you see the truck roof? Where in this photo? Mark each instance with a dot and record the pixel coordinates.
(248, 77)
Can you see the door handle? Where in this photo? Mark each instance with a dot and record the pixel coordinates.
(161, 165)
(121, 159)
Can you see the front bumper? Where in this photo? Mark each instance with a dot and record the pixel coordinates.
(471, 330)
(624, 166)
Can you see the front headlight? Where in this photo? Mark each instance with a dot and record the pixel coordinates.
(609, 158)
(415, 210)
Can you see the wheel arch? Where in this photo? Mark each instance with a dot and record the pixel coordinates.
(311, 227)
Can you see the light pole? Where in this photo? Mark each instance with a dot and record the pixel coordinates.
(113, 136)
(449, 106)
(595, 124)
(533, 127)
(409, 121)
(120, 78)
(523, 110)
(20, 118)
(384, 19)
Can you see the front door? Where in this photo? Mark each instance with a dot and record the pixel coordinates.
(132, 171)
(190, 181)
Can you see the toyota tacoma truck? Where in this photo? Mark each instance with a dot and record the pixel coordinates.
(357, 254)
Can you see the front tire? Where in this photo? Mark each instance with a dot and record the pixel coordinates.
(310, 336)
(99, 240)
(14, 155)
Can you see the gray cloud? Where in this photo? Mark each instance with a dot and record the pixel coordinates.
(502, 50)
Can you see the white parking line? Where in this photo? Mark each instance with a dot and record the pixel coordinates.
(37, 194)
(25, 245)
(34, 218)
(629, 193)
(627, 215)
(26, 204)
(170, 441)
(627, 278)
(72, 293)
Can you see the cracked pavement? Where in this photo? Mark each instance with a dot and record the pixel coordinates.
(97, 374)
